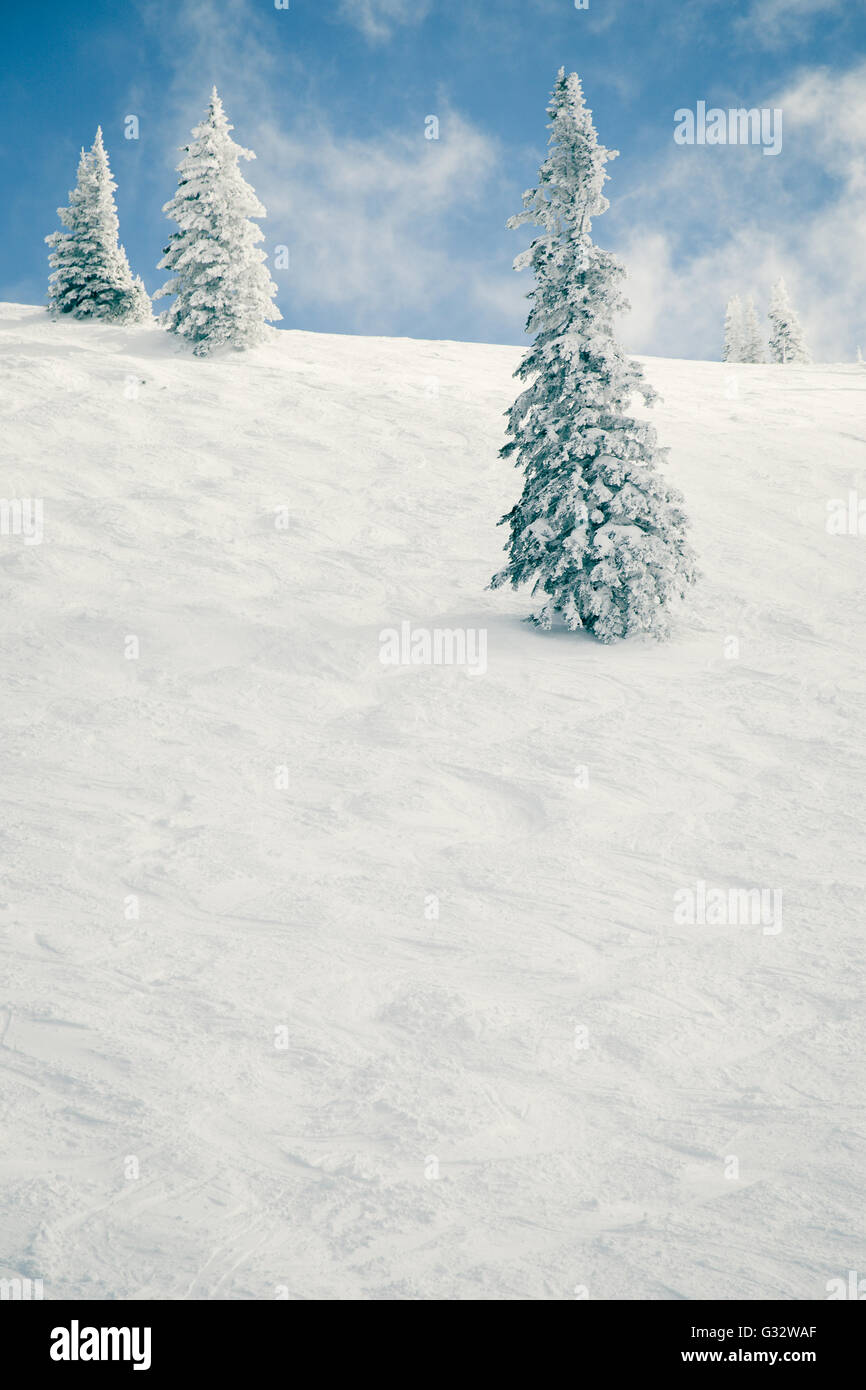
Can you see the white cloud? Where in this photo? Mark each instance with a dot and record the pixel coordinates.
(377, 19)
(777, 22)
(829, 109)
(205, 41)
(682, 271)
(370, 221)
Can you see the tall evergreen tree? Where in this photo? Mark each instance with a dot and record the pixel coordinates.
(90, 273)
(224, 292)
(596, 530)
(734, 330)
(787, 343)
(753, 342)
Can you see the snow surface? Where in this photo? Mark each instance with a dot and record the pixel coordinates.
(307, 1170)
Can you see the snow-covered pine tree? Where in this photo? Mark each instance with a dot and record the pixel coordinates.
(223, 288)
(90, 273)
(596, 529)
(753, 342)
(787, 343)
(734, 326)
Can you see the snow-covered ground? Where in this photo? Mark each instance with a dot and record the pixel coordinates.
(326, 1090)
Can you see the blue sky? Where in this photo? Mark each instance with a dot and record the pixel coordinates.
(392, 233)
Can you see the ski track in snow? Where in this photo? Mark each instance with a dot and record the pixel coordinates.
(305, 1168)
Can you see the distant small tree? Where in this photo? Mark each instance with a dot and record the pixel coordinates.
(734, 331)
(596, 531)
(90, 273)
(223, 290)
(787, 343)
(753, 342)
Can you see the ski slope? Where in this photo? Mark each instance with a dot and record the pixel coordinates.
(288, 1077)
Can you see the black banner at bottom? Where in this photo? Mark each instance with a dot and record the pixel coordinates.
(157, 1339)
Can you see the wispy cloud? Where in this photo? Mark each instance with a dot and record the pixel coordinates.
(775, 23)
(370, 222)
(682, 270)
(377, 19)
(225, 42)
